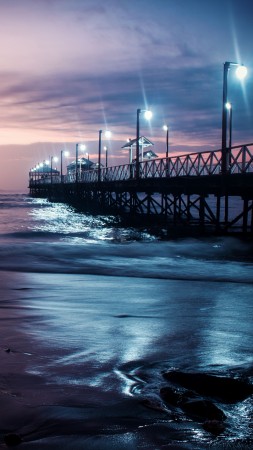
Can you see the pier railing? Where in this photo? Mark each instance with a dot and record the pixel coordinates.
(208, 163)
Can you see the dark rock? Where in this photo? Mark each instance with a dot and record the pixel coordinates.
(12, 439)
(170, 396)
(229, 390)
(192, 404)
(202, 409)
(214, 426)
(149, 403)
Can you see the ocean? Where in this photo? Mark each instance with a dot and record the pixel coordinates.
(94, 313)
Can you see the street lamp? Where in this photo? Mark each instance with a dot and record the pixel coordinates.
(229, 108)
(106, 156)
(148, 115)
(65, 153)
(53, 158)
(241, 72)
(107, 134)
(82, 147)
(166, 128)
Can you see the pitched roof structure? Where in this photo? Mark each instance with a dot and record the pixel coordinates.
(143, 142)
(83, 162)
(46, 169)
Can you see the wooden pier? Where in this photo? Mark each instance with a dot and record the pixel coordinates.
(185, 191)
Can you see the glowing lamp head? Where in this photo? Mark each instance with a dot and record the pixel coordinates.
(165, 127)
(82, 146)
(148, 114)
(241, 72)
(66, 153)
(55, 159)
(228, 105)
(108, 133)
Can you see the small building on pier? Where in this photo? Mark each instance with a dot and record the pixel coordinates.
(83, 164)
(143, 143)
(44, 173)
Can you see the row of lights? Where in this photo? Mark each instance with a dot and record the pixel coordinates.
(66, 153)
(241, 72)
(148, 115)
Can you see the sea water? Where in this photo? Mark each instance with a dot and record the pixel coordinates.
(93, 313)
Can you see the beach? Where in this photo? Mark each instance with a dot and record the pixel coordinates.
(90, 325)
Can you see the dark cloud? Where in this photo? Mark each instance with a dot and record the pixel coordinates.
(69, 68)
(189, 98)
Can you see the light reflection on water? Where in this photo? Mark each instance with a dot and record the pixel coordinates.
(78, 228)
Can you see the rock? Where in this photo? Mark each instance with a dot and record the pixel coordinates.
(170, 396)
(148, 403)
(12, 439)
(193, 405)
(202, 410)
(226, 389)
(214, 426)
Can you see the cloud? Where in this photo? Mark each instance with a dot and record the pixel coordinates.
(69, 69)
(189, 98)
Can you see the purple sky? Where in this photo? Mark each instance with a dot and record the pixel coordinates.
(72, 67)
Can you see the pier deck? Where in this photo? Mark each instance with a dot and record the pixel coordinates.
(183, 190)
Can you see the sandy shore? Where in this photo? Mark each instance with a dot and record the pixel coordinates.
(59, 389)
(45, 414)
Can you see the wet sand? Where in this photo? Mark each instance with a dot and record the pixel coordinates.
(70, 390)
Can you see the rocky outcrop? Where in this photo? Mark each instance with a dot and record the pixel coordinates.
(196, 395)
(224, 389)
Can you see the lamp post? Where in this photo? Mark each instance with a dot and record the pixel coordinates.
(65, 153)
(241, 72)
(53, 158)
(76, 177)
(229, 108)
(148, 115)
(130, 151)
(106, 156)
(107, 134)
(166, 128)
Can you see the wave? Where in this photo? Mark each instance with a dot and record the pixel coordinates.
(156, 260)
(36, 235)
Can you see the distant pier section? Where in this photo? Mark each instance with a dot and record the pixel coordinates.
(208, 191)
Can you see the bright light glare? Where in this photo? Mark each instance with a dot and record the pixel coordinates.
(55, 159)
(66, 153)
(47, 162)
(108, 133)
(165, 127)
(148, 114)
(228, 105)
(241, 72)
(82, 146)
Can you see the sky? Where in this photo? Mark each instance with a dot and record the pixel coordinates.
(69, 68)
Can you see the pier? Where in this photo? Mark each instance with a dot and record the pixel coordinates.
(195, 190)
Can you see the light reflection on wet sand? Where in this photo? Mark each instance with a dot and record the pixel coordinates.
(85, 350)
